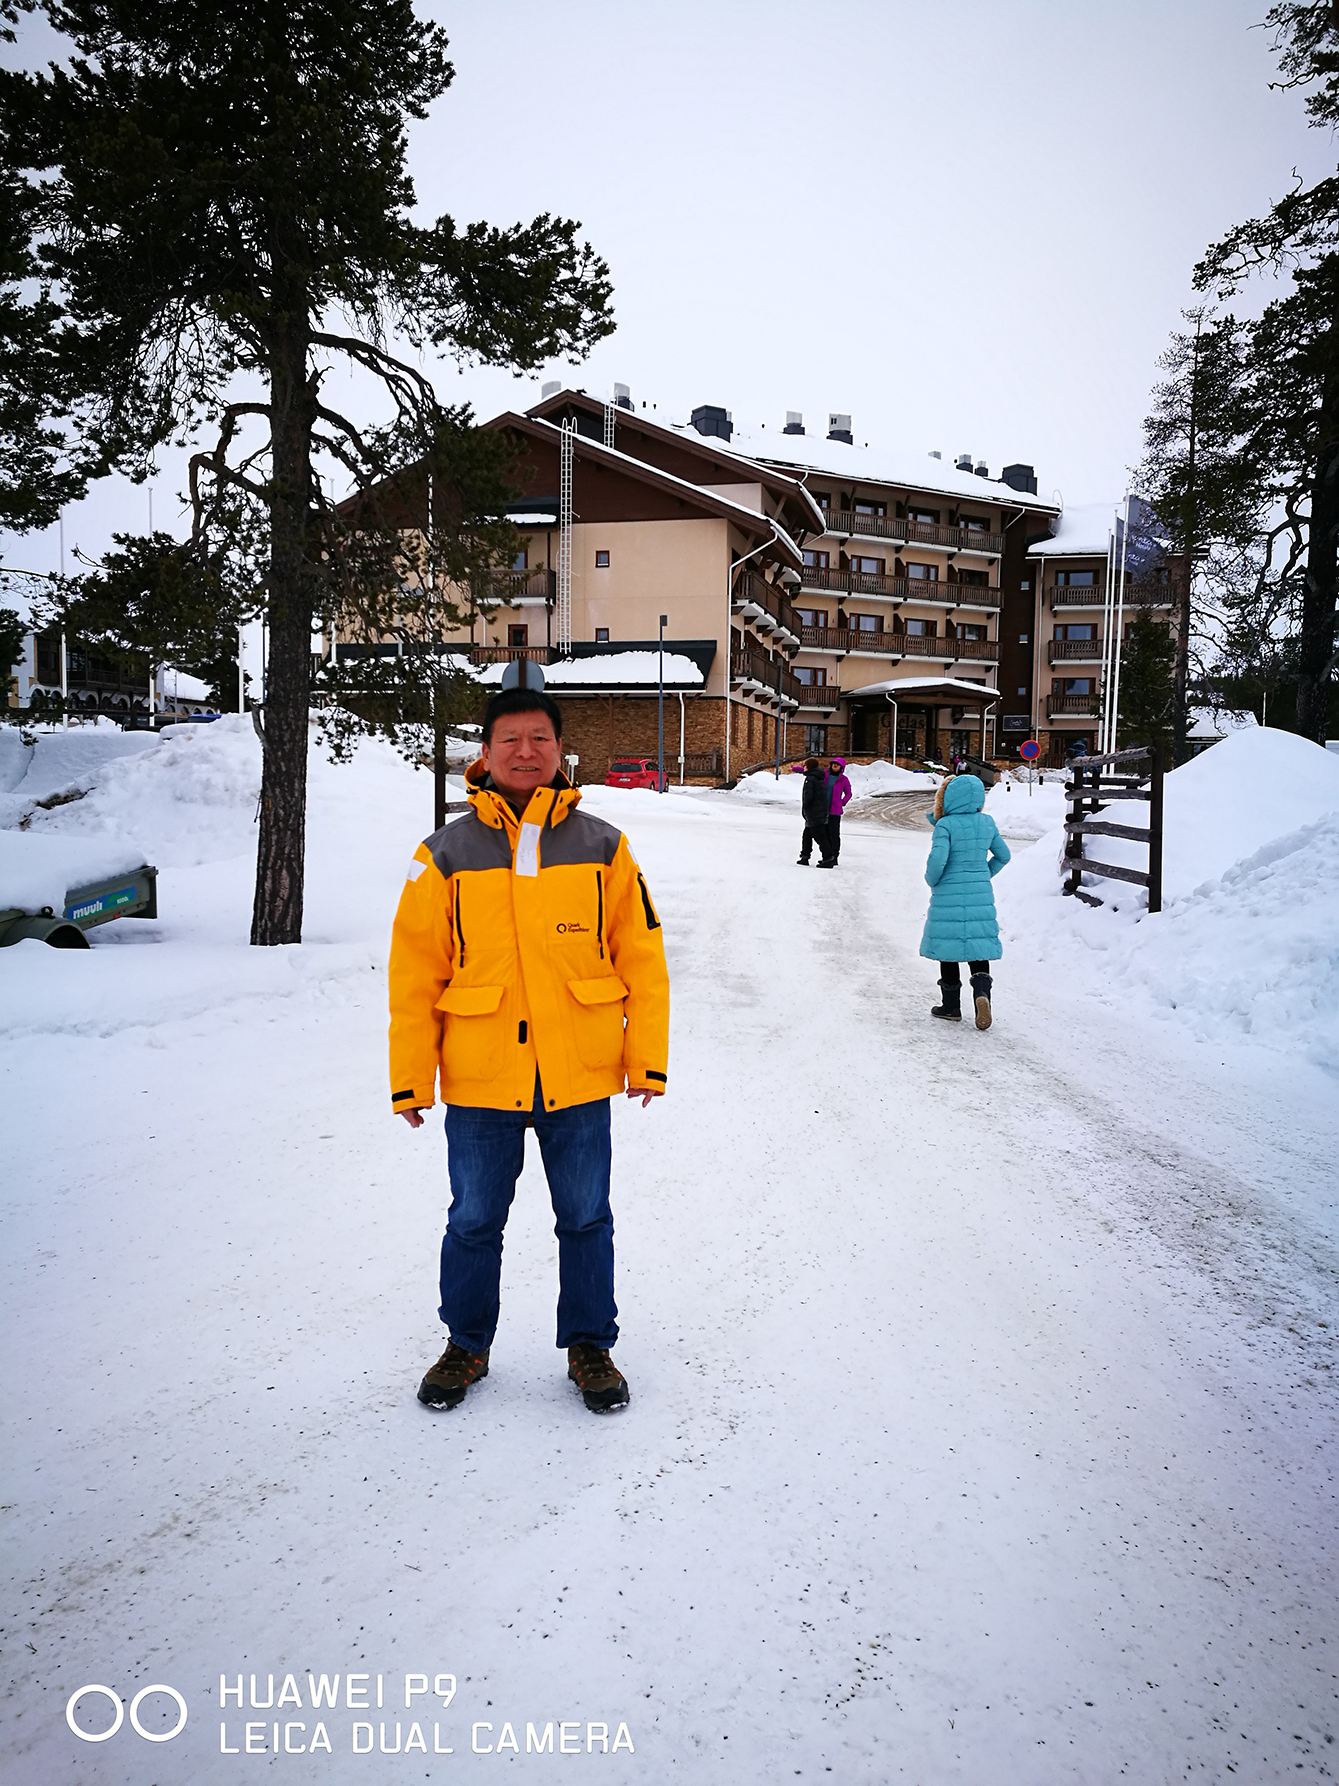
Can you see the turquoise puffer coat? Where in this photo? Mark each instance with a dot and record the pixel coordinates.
(966, 853)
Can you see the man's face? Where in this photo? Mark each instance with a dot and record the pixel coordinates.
(522, 754)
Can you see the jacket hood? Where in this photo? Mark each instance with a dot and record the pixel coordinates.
(493, 807)
(839, 762)
(964, 793)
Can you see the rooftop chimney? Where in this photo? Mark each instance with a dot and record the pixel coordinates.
(963, 461)
(622, 397)
(839, 428)
(547, 389)
(935, 453)
(794, 422)
(982, 469)
(709, 420)
(1020, 477)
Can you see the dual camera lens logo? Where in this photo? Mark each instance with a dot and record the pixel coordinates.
(150, 1736)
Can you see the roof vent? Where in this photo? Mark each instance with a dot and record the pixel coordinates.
(935, 453)
(839, 428)
(963, 461)
(1020, 477)
(709, 420)
(622, 397)
(547, 389)
(982, 469)
(794, 422)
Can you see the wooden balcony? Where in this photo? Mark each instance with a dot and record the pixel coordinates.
(773, 603)
(833, 580)
(538, 583)
(847, 523)
(821, 694)
(1137, 595)
(750, 664)
(1074, 706)
(901, 644)
(508, 654)
(1070, 651)
(1067, 597)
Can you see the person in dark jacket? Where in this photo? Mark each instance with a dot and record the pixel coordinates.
(814, 810)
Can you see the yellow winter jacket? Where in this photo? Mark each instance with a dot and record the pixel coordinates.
(524, 943)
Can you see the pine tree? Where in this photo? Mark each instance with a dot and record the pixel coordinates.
(1292, 364)
(227, 216)
(1148, 659)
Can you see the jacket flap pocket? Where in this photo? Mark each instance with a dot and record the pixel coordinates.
(470, 1001)
(598, 992)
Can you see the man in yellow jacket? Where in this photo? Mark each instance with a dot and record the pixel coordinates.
(527, 972)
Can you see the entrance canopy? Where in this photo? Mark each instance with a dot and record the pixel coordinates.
(926, 691)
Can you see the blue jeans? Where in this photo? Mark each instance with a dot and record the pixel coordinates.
(485, 1150)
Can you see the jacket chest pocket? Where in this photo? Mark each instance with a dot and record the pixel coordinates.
(597, 1020)
(475, 1030)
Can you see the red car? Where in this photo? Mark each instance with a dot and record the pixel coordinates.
(632, 772)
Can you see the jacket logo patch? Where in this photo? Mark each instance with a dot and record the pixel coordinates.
(573, 929)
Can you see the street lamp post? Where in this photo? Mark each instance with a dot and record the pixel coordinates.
(660, 711)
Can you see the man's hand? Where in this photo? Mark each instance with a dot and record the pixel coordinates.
(413, 1117)
(645, 1096)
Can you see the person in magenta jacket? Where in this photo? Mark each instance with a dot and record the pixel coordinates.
(839, 795)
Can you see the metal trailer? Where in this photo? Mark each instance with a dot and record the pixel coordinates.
(133, 894)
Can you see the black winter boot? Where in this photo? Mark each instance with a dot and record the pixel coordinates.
(950, 1007)
(981, 984)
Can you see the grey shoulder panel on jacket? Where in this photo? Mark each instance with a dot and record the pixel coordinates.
(580, 838)
(468, 844)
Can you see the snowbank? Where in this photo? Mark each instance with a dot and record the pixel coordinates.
(866, 779)
(59, 762)
(1026, 813)
(1248, 937)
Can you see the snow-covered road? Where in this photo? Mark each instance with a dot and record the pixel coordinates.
(983, 1414)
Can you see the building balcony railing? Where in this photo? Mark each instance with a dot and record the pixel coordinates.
(818, 694)
(752, 670)
(1085, 596)
(772, 613)
(1137, 595)
(834, 580)
(947, 650)
(1069, 651)
(539, 582)
(508, 654)
(1081, 706)
(847, 523)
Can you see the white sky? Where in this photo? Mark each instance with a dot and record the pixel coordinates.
(970, 226)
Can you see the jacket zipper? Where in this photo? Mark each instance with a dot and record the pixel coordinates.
(599, 920)
(460, 931)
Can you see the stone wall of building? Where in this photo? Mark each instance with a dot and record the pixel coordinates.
(599, 728)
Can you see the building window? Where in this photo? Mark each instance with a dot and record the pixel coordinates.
(923, 629)
(602, 561)
(519, 562)
(1022, 638)
(1075, 579)
(602, 635)
(867, 567)
(1023, 690)
(809, 676)
(977, 579)
(1076, 632)
(864, 507)
(817, 561)
(923, 573)
(1025, 584)
(866, 623)
(1076, 685)
(812, 616)
(974, 523)
(822, 497)
(815, 741)
(518, 636)
(930, 517)
(970, 631)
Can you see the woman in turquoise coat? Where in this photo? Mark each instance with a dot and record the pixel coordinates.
(967, 853)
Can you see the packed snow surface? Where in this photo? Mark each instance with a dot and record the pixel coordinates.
(983, 1403)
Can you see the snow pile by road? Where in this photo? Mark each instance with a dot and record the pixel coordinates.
(1248, 937)
(866, 779)
(59, 763)
(1026, 813)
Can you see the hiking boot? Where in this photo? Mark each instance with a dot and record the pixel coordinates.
(827, 865)
(981, 993)
(950, 1005)
(602, 1384)
(446, 1383)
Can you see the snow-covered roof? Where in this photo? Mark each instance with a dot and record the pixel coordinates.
(1084, 531)
(947, 685)
(875, 464)
(1211, 723)
(614, 669)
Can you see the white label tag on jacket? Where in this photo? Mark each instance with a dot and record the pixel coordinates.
(527, 850)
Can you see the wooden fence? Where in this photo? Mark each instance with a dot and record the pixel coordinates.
(1130, 775)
